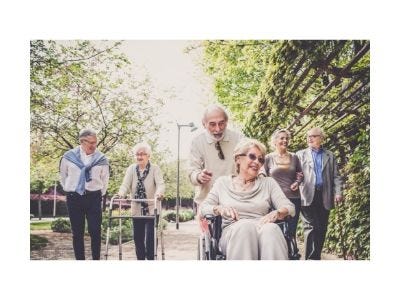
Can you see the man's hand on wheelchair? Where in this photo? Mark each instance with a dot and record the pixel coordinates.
(226, 212)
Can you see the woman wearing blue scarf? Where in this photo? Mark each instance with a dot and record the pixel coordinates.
(143, 180)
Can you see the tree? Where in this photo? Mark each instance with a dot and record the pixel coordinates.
(78, 84)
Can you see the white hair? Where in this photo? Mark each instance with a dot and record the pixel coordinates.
(320, 131)
(86, 132)
(211, 108)
(142, 146)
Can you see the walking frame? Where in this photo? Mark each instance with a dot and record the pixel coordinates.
(120, 205)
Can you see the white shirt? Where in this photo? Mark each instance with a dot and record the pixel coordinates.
(70, 174)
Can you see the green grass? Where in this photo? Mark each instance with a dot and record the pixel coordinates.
(41, 225)
(38, 242)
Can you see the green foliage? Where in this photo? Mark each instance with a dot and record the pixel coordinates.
(162, 225)
(126, 228)
(77, 84)
(349, 228)
(184, 215)
(298, 85)
(170, 171)
(61, 225)
(38, 242)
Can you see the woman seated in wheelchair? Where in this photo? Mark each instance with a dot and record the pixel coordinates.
(249, 205)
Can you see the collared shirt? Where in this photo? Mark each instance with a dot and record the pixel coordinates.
(86, 158)
(317, 158)
(204, 155)
(70, 174)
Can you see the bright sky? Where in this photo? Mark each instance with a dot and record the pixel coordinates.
(180, 81)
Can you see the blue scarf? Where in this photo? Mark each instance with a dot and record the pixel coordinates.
(74, 156)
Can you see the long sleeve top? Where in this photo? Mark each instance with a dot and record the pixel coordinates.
(154, 184)
(264, 196)
(70, 173)
(204, 155)
(284, 174)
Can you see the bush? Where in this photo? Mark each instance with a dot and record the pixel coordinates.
(61, 225)
(162, 224)
(185, 215)
(126, 229)
(38, 242)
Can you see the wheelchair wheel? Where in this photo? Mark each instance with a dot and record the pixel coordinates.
(201, 249)
(293, 250)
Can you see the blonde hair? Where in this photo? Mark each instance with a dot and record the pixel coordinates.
(275, 135)
(243, 146)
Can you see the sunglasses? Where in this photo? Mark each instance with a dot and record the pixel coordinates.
(220, 153)
(252, 156)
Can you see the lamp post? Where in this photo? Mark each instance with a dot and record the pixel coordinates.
(178, 199)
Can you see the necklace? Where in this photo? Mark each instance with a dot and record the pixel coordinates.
(282, 159)
(243, 184)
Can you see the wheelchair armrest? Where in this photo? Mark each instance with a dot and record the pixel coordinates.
(284, 225)
(210, 217)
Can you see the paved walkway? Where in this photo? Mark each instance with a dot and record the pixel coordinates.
(179, 245)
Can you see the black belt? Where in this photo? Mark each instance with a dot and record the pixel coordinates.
(318, 188)
(86, 192)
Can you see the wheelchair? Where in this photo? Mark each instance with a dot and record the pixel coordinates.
(211, 227)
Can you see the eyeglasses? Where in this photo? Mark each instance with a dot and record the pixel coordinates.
(140, 154)
(313, 136)
(252, 156)
(220, 153)
(93, 143)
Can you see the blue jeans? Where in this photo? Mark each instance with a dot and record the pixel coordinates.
(80, 207)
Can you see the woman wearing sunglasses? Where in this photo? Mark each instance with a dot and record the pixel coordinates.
(285, 168)
(249, 205)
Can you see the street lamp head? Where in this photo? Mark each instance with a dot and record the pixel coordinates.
(191, 124)
(193, 129)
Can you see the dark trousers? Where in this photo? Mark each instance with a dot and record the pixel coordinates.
(143, 235)
(292, 224)
(293, 221)
(315, 218)
(80, 207)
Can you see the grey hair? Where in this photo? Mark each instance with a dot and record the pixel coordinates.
(320, 131)
(276, 134)
(213, 107)
(86, 132)
(243, 146)
(142, 146)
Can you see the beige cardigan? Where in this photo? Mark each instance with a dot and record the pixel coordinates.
(203, 155)
(154, 184)
(265, 196)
